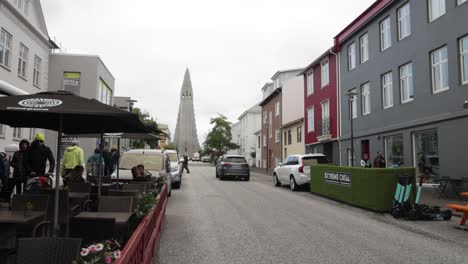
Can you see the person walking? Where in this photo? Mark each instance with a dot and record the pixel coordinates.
(94, 163)
(72, 158)
(37, 157)
(185, 164)
(107, 161)
(20, 166)
(379, 161)
(365, 161)
(113, 159)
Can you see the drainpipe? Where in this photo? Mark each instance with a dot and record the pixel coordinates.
(9, 89)
(338, 105)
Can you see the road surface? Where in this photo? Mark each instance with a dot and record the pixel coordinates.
(212, 221)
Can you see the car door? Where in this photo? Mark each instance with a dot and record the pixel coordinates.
(293, 163)
(283, 170)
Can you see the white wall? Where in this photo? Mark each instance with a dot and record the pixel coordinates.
(250, 123)
(292, 100)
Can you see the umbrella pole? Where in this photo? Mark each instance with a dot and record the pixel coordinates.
(57, 175)
(101, 171)
(118, 162)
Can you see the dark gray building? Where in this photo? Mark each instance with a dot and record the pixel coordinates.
(407, 62)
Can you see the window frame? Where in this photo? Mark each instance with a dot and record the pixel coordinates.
(354, 112)
(382, 32)
(387, 90)
(277, 135)
(5, 48)
(443, 62)
(326, 74)
(429, 8)
(17, 133)
(351, 56)
(299, 134)
(409, 79)
(270, 125)
(277, 108)
(37, 71)
(23, 61)
(310, 83)
(406, 18)
(462, 53)
(310, 117)
(365, 99)
(362, 47)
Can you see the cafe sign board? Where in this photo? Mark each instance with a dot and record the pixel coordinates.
(340, 178)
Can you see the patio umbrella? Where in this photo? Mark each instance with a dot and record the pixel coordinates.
(65, 112)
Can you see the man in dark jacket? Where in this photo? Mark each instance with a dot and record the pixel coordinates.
(185, 164)
(20, 166)
(379, 161)
(38, 155)
(3, 174)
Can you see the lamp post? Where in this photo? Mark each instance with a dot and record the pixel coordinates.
(351, 96)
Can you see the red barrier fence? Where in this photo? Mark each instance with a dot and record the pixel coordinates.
(140, 248)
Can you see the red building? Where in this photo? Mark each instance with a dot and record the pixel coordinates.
(321, 107)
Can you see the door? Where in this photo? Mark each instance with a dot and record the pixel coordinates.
(282, 169)
(328, 150)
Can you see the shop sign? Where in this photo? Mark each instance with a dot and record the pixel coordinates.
(341, 178)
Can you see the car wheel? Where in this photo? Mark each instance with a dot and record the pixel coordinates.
(217, 175)
(176, 185)
(221, 177)
(276, 181)
(292, 184)
(247, 178)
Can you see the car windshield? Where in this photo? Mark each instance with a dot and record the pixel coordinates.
(151, 162)
(172, 156)
(307, 161)
(235, 160)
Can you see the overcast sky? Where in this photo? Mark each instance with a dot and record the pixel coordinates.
(232, 48)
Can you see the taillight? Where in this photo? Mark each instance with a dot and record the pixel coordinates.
(227, 165)
(301, 168)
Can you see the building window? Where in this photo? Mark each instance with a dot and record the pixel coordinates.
(277, 135)
(104, 93)
(364, 48)
(406, 83)
(2, 130)
(270, 126)
(354, 103)
(461, 1)
(365, 99)
(352, 56)
(277, 108)
(404, 21)
(299, 134)
(310, 120)
(394, 151)
(385, 34)
(264, 141)
(277, 83)
(436, 9)
(440, 76)
(310, 83)
(259, 141)
(17, 133)
(5, 48)
(37, 71)
(23, 60)
(426, 152)
(464, 59)
(387, 90)
(265, 117)
(32, 134)
(285, 138)
(289, 137)
(325, 78)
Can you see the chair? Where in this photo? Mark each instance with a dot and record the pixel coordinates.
(47, 250)
(65, 211)
(116, 204)
(92, 229)
(39, 203)
(79, 187)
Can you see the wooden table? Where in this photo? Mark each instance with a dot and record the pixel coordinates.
(120, 218)
(464, 194)
(17, 217)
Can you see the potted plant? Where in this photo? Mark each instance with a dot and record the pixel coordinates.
(100, 253)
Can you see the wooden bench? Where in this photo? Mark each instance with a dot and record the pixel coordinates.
(460, 208)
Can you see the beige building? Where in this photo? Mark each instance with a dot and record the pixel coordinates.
(292, 127)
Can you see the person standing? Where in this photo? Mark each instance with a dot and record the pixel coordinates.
(3, 174)
(20, 166)
(185, 164)
(379, 161)
(107, 161)
(114, 159)
(37, 157)
(72, 158)
(94, 163)
(365, 161)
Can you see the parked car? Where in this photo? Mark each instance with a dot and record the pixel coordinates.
(176, 168)
(154, 161)
(232, 166)
(205, 159)
(196, 157)
(295, 170)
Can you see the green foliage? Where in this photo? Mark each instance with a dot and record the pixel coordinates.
(218, 140)
(145, 203)
(170, 146)
(106, 252)
(149, 121)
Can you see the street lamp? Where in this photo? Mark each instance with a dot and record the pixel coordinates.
(351, 96)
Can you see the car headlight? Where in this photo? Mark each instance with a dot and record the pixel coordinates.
(175, 169)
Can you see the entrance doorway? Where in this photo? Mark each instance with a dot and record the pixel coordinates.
(328, 151)
(365, 148)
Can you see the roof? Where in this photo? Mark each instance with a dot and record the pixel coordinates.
(270, 96)
(360, 21)
(283, 71)
(256, 109)
(297, 121)
(316, 61)
(266, 85)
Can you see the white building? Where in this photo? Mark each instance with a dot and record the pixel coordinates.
(250, 122)
(24, 57)
(235, 132)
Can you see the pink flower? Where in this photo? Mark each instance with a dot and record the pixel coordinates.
(117, 254)
(99, 247)
(108, 259)
(92, 249)
(84, 252)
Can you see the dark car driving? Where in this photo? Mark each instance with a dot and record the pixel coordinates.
(233, 167)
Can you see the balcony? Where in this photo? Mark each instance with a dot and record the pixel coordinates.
(324, 132)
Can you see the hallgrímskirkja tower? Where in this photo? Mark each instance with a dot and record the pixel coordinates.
(186, 138)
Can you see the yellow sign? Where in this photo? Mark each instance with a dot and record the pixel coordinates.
(72, 75)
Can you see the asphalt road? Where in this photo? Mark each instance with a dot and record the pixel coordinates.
(212, 221)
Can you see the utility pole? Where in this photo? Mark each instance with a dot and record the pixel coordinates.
(351, 96)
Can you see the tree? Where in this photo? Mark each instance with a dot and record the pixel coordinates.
(148, 121)
(218, 141)
(170, 146)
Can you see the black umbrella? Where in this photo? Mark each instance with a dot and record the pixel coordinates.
(65, 112)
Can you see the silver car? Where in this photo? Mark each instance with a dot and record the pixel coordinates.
(232, 166)
(176, 168)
